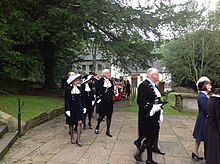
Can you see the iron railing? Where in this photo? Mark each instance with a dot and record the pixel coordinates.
(19, 110)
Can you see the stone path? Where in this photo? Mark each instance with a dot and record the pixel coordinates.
(50, 143)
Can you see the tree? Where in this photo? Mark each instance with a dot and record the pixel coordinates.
(47, 36)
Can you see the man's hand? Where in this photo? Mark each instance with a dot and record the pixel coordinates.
(68, 113)
(84, 110)
(155, 109)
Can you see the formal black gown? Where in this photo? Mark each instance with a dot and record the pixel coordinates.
(73, 103)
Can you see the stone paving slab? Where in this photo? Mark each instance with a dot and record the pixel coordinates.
(50, 142)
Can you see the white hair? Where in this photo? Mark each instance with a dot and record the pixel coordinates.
(151, 71)
(104, 71)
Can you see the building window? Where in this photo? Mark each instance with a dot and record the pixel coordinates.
(99, 67)
(84, 67)
(90, 67)
(141, 78)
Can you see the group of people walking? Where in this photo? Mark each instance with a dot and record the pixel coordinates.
(150, 115)
(207, 126)
(80, 98)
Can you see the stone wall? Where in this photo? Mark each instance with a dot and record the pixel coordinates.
(43, 117)
(12, 122)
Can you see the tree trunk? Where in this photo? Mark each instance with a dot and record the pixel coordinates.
(47, 50)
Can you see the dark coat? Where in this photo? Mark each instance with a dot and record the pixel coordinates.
(198, 132)
(88, 97)
(147, 125)
(73, 103)
(93, 82)
(212, 131)
(106, 96)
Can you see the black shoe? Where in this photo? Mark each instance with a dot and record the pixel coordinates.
(108, 134)
(84, 128)
(96, 131)
(196, 156)
(137, 144)
(78, 143)
(158, 151)
(90, 127)
(151, 162)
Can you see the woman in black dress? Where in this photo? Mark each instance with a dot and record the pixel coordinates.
(74, 108)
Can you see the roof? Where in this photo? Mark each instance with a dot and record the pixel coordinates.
(88, 56)
(156, 64)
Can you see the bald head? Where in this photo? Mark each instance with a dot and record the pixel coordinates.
(153, 75)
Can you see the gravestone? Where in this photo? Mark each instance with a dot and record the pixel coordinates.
(186, 102)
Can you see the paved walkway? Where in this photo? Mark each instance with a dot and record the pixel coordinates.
(50, 143)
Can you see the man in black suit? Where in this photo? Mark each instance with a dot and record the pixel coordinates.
(150, 112)
(105, 91)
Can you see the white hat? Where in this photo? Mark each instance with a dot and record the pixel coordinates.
(201, 82)
(72, 78)
(87, 79)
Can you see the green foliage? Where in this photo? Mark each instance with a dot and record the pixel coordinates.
(195, 51)
(192, 56)
(33, 105)
(40, 39)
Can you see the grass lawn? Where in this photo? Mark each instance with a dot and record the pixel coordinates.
(33, 105)
(168, 110)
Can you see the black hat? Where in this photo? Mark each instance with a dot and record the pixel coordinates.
(86, 78)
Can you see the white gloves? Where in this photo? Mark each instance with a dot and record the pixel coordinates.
(93, 102)
(116, 93)
(84, 110)
(68, 113)
(98, 101)
(161, 116)
(155, 109)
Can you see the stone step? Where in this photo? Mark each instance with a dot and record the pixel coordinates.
(6, 141)
(3, 129)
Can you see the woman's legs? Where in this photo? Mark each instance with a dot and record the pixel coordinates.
(71, 132)
(84, 121)
(79, 127)
(196, 147)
